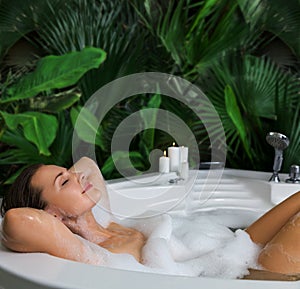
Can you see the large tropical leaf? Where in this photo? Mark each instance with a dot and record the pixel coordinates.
(22, 152)
(56, 72)
(56, 102)
(109, 25)
(87, 128)
(34, 124)
(61, 148)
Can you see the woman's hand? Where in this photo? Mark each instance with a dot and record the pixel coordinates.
(124, 240)
(115, 238)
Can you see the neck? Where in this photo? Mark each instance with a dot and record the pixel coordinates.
(87, 227)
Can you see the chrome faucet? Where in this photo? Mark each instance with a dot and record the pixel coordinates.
(279, 142)
(294, 176)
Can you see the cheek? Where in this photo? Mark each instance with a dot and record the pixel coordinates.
(72, 202)
(94, 195)
(68, 197)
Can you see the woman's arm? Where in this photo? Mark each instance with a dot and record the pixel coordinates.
(32, 230)
(267, 226)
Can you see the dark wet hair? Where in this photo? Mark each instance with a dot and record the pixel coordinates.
(22, 193)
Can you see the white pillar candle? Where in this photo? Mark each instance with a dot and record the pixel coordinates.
(164, 164)
(184, 152)
(174, 155)
(184, 170)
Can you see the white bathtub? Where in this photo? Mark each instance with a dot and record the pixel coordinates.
(235, 199)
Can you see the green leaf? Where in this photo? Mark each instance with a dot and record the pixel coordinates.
(23, 153)
(121, 157)
(39, 128)
(19, 18)
(171, 32)
(20, 149)
(53, 72)
(236, 117)
(148, 136)
(56, 103)
(209, 5)
(155, 101)
(88, 127)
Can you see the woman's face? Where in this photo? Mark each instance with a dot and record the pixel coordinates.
(67, 193)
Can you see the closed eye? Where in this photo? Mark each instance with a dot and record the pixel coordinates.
(64, 182)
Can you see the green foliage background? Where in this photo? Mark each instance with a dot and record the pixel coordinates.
(244, 54)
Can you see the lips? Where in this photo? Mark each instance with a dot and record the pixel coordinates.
(87, 187)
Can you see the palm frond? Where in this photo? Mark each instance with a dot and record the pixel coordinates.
(18, 18)
(284, 22)
(292, 154)
(256, 82)
(109, 25)
(197, 35)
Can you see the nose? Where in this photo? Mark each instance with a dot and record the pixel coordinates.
(80, 176)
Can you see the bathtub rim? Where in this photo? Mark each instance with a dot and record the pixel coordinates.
(114, 278)
(110, 276)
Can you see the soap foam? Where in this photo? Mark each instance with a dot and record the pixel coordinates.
(187, 246)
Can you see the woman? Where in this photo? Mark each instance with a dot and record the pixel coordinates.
(48, 204)
(61, 204)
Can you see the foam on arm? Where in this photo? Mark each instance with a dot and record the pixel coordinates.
(32, 230)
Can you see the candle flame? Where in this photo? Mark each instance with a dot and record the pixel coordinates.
(173, 144)
(165, 153)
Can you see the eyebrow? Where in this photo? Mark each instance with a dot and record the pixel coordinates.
(58, 175)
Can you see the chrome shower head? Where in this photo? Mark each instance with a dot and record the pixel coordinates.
(279, 142)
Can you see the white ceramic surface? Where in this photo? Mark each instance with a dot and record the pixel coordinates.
(236, 200)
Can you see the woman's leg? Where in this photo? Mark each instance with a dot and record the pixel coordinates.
(282, 253)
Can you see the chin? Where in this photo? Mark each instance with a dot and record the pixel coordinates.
(94, 196)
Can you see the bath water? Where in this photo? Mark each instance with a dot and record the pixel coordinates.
(187, 246)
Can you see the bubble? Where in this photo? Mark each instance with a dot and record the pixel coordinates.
(187, 247)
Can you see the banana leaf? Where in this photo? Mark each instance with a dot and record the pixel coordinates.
(53, 72)
(23, 152)
(88, 128)
(34, 124)
(57, 102)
